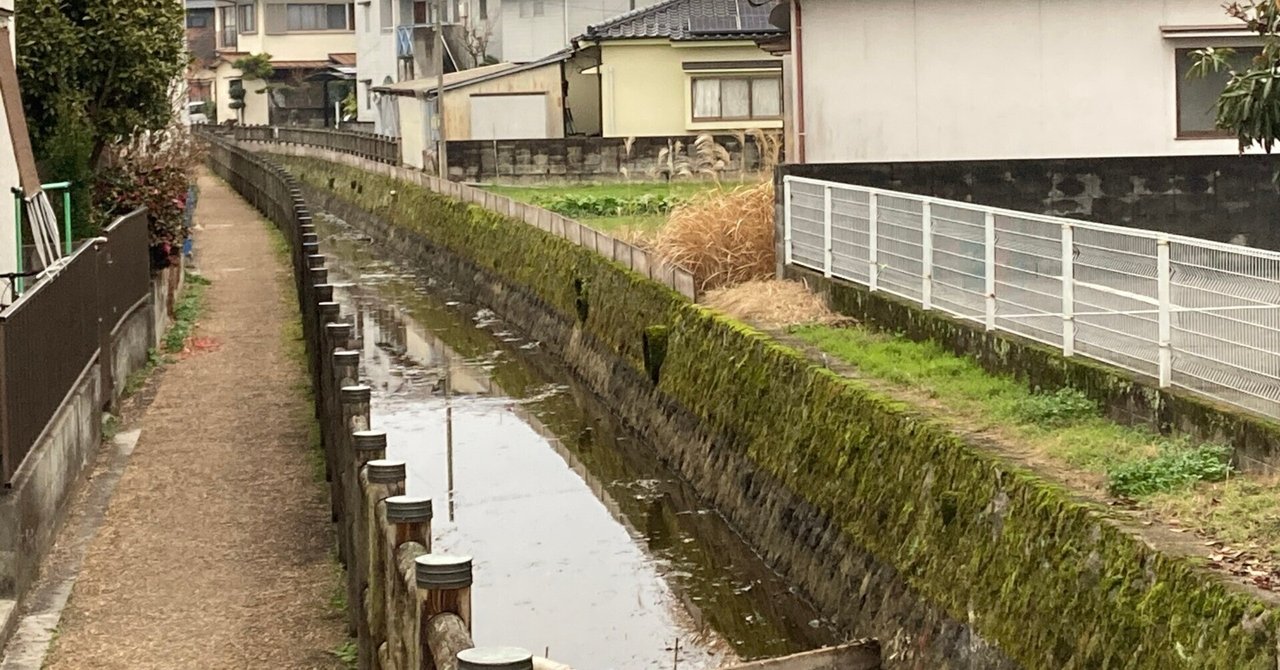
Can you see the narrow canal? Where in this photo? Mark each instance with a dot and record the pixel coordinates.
(585, 546)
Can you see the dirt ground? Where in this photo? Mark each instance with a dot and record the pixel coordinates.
(215, 549)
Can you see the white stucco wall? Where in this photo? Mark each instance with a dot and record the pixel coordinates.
(375, 56)
(529, 38)
(943, 80)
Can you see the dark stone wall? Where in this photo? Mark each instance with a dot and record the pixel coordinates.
(582, 158)
(1213, 197)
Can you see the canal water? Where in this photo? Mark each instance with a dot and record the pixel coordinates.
(586, 548)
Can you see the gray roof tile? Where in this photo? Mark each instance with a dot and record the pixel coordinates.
(690, 20)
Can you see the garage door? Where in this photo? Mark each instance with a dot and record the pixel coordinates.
(509, 117)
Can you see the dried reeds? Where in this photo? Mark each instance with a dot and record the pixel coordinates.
(722, 237)
(771, 303)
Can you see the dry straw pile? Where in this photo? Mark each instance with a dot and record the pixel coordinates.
(772, 303)
(724, 237)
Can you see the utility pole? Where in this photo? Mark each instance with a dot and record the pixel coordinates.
(442, 157)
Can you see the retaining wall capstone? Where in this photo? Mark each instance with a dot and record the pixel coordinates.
(891, 523)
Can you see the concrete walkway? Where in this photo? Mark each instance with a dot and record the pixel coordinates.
(215, 548)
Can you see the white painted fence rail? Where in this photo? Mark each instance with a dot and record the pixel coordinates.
(1193, 314)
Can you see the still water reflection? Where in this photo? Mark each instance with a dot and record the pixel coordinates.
(584, 545)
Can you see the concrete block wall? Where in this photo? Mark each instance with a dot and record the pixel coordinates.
(587, 159)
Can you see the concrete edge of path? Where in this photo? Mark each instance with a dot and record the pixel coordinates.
(37, 625)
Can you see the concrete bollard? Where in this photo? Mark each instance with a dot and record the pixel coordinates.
(380, 480)
(444, 586)
(495, 658)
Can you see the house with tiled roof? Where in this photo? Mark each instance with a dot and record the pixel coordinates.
(682, 67)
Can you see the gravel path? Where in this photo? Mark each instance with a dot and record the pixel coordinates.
(215, 550)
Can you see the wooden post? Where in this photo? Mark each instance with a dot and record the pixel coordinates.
(310, 238)
(411, 516)
(380, 480)
(366, 446)
(354, 417)
(319, 275)
(444, 586)
(444, 635)
(341, 334)
(315, 260)
(495, 658)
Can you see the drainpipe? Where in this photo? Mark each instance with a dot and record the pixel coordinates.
(797, 49)
(565, 16)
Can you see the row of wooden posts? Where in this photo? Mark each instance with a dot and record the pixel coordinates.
(409, 607)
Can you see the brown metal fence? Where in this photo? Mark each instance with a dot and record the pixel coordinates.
(381, 148)
(53, 333)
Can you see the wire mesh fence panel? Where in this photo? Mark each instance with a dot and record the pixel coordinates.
(1225, 324)
(1028, 277)
(1199, 315)
(850, 227)
(1116, 298)
(900, 244)
(959, 260)
(807, 212)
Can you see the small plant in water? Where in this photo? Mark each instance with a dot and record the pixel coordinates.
(1177, 466)
(1060, 408)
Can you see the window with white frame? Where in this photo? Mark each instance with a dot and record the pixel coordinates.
(737, 97)
(1198, 96)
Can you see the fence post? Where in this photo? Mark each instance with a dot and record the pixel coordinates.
(926, 255)
(989, 261)
(827, 242)
(786, 220)
(873, 244)
(1068, 290)
(1165, 321)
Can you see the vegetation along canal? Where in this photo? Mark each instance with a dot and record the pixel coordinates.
(585, 545)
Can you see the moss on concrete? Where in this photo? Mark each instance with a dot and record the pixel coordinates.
(1046, 578)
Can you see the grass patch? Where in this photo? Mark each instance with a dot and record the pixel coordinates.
(346, 653)
(1176, 468)
(1065, 425)
(186, 312)
(628, 196)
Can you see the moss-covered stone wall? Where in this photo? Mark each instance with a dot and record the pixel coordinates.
(894, 525)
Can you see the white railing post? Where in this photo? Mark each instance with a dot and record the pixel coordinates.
(989, 262)
(873, 245)
(826, 230)
(926, 255)
(1068, 290)
(786, 220)
(1165, 321)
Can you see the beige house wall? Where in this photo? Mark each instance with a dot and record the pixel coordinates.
(646, 92)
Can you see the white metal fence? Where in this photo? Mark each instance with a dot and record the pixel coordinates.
(1195, 314)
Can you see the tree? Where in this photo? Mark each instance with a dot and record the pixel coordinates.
(116, 61)
(1250, 103)
(477, 37)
